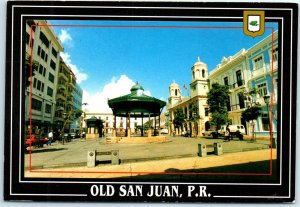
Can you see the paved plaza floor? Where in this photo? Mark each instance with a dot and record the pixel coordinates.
(74, 153)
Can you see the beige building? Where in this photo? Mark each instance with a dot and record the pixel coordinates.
(66, 85)
(196, 99)
(45, 50)
(108, 122)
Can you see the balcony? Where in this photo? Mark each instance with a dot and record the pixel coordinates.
(61, 96)
(62, 75)
(237, 84)
(236, 107)
(60, 108)
(61, 86)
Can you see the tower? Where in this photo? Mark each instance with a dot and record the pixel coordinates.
(199, 85)
(174, 93)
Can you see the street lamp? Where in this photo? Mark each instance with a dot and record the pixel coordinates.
(82, 119)
(267, 102)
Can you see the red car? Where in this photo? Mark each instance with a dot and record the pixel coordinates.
(33, 140)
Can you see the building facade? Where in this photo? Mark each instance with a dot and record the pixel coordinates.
(194, 104)
(40, 98)
(64, 110)
(262, 61)
(108, 123)
(77, 106)
(234, 73)
(256, 68)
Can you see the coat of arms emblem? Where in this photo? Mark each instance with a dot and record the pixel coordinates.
(254, 23)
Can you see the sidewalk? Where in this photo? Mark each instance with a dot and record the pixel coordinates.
(187, 165)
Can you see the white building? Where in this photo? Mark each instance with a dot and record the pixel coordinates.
(197, 98)
(45, 51)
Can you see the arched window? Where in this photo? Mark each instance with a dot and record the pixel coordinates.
(175, 92)
(203, 73)
(193, 74)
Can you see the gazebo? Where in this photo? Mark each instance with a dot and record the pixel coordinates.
(136, 104)
(94, 127)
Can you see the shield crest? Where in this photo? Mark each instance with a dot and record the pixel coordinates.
(254, 23)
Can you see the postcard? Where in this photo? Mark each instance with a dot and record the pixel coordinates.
(150, 101)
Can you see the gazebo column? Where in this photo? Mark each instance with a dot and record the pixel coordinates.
(128, 125)
(142, 130)
(154, 125)
(159, 124)
(114, 128)
(149, 130)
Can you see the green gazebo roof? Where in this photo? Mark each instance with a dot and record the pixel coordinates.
(136, 103)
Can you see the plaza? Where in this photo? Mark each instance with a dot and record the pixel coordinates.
(179, 152)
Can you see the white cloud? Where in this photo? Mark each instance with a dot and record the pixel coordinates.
(97, 102)
(64, 36)
(80, 76)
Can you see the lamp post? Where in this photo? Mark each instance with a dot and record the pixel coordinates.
(81, 120)
(267, 102)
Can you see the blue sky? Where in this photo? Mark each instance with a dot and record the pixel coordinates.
(104, 57)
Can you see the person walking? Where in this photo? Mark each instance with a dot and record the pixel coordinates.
(227, 134)
(50, 137)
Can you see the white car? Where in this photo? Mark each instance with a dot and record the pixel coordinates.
(164, 131)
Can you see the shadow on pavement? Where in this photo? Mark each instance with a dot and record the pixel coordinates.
(253, 172)
(41, 150)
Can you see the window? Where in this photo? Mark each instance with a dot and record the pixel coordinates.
(262, 89)
(265, 122)
(44, 39)
(39, 51)
(206, 111)
(54, 52)
(27, 38)
(239, 78)
(203, 73)
(41, 68)
(275, 54)
(258, 63)
(51, 77)
(36, 104)
(42, 87)
(226, 82)
(43, 54)
(38, 85)
(52, 65)
(49, 91)
(44, 72)
(34, 82)
(48, 109)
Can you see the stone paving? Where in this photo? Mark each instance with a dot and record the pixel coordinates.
(74, 153)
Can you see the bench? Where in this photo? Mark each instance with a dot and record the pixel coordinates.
(204, 150)
(92, 157)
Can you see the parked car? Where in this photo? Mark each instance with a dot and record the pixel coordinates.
(164, 131)
(186, 133)
(236, 130)
(208, 132)
(35, 141)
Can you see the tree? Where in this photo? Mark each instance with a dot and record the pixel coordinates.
(253, 108)
(194, 115)
(179, 118)
(217, 100)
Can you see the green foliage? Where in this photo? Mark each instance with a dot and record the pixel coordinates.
(179, 118)
(251, 113)
(254, 108)
(217, 99)
(194, 112)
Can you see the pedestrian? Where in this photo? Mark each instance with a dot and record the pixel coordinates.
(50, 137)
(227, 134)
